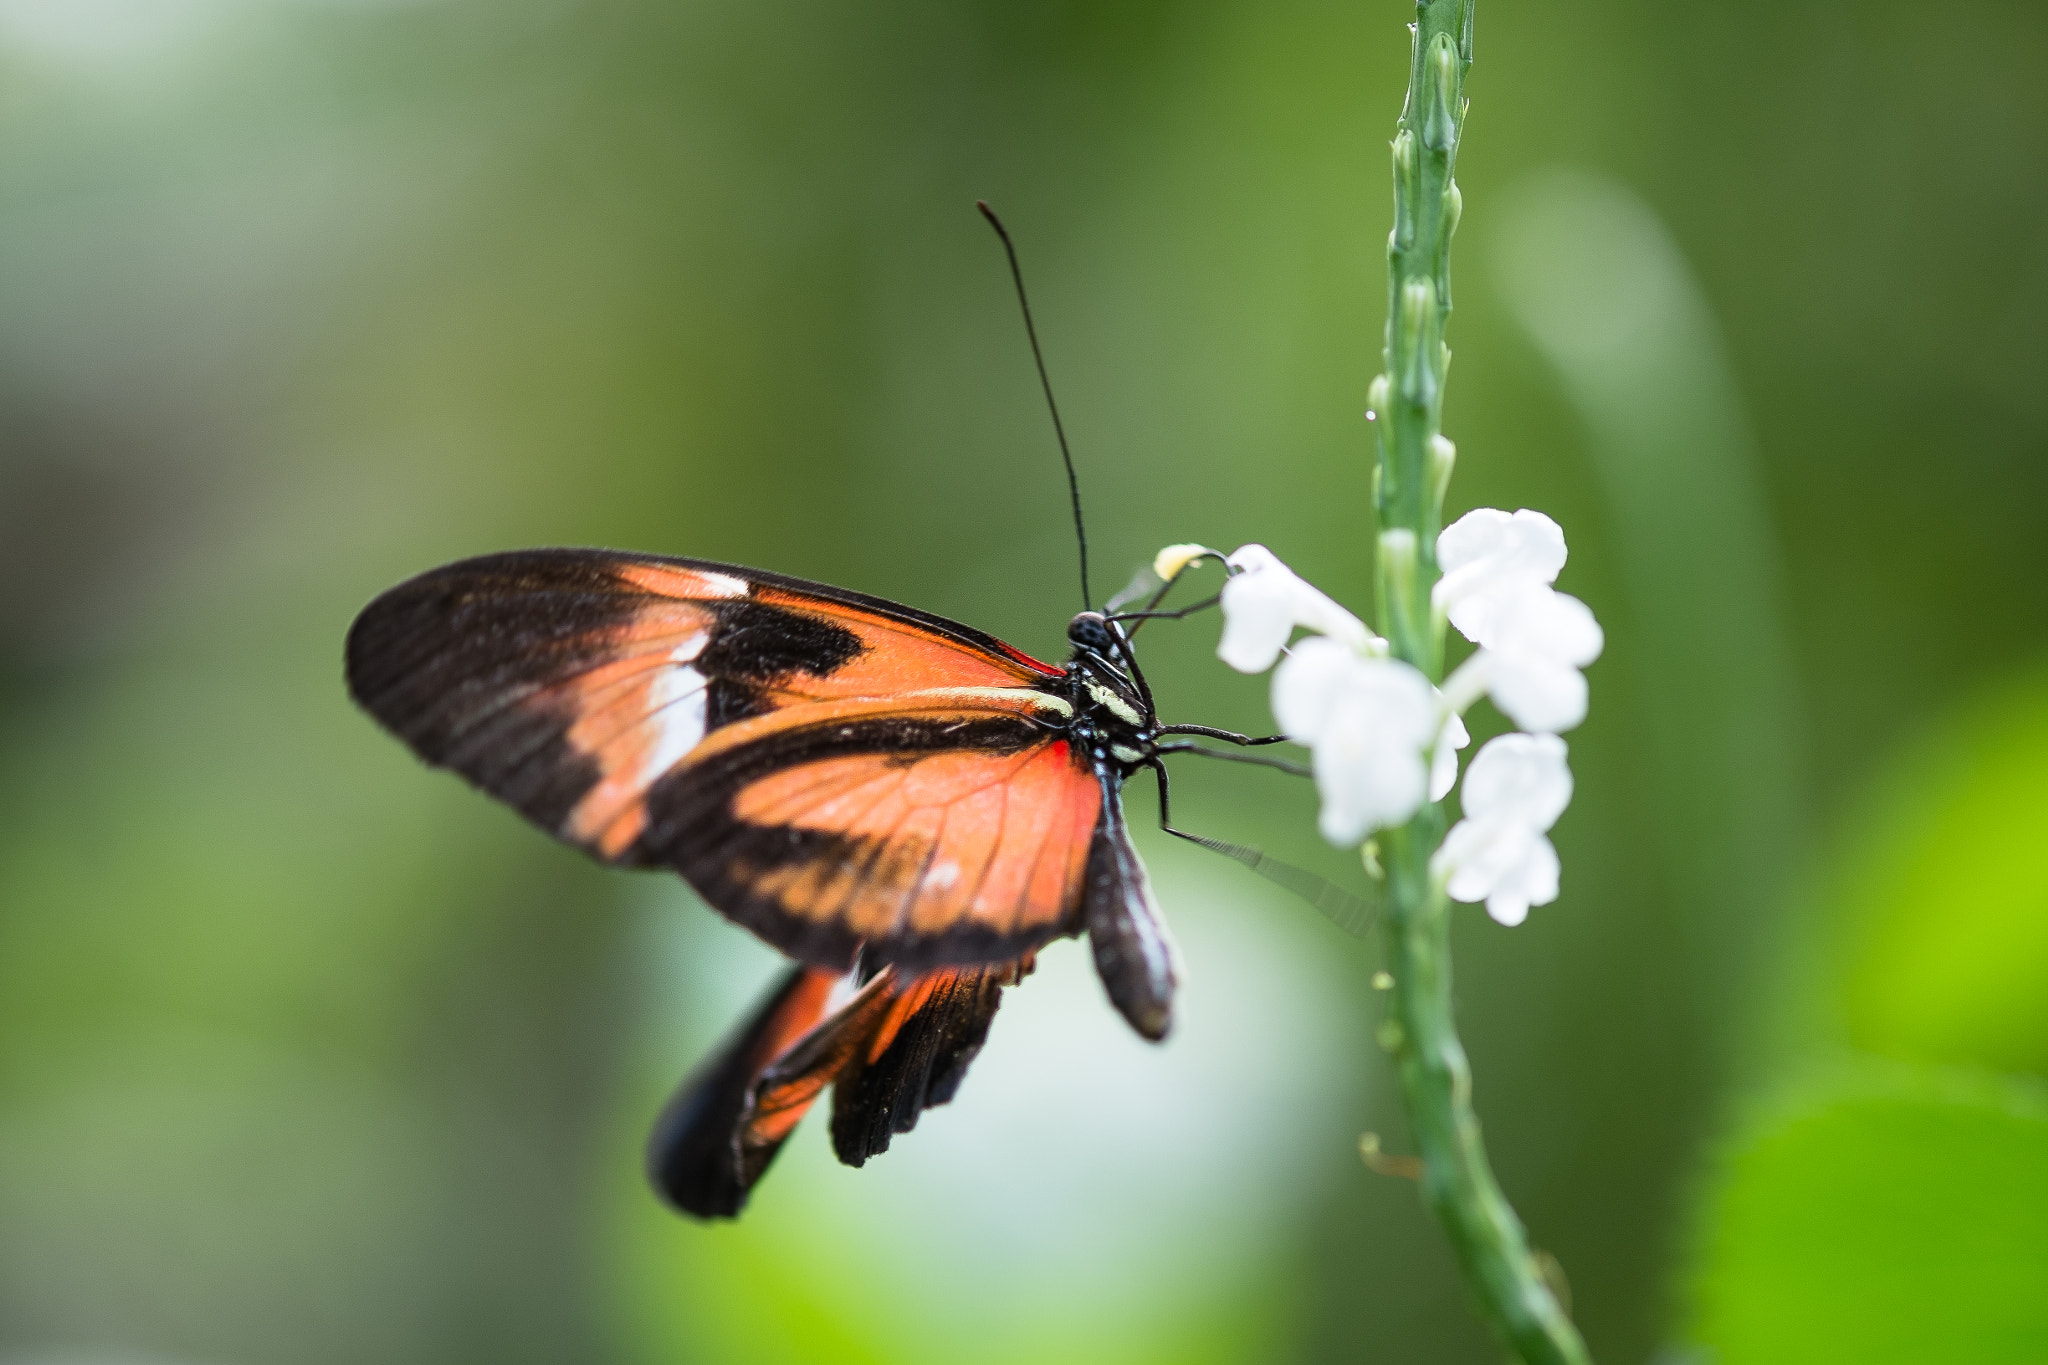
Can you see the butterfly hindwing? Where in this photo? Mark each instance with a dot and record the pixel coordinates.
(900, 1045)
(918, 1056)
(695, 1156)
(829, 769)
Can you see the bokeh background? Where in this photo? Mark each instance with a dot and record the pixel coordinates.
(309, 1055)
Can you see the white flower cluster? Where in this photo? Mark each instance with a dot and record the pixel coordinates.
(1383, 740)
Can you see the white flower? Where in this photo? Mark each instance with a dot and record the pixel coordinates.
(1510, 867)
(1262, 604)
(1486, 554)
(1515, 789)
(1532, 639)
(1520, 778)
(1369, 723)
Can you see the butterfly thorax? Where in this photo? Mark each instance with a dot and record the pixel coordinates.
(1113, 725)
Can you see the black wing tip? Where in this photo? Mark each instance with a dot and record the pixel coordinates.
(695, 1157)
(691, 1174)
(707, 1196)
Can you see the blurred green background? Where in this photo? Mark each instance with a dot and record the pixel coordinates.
(307, 1055)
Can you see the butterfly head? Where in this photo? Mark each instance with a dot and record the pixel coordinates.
(1090, 630)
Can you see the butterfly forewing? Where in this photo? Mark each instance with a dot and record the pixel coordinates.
(832, 770)
(922, 833)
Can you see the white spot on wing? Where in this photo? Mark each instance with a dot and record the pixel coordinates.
(942, 876)
(690, 649)
(675, 703)
(722, 585)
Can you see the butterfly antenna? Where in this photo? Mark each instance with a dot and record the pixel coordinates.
(1059, 430)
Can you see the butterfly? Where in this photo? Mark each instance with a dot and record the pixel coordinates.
(906, 807)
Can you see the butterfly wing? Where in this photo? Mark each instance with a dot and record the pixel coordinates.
(695, 1156)
(836, 772)
(918, 1055)
(899, 1046)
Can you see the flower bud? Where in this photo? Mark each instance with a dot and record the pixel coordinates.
(1440, 99)
(1443, 458)
(1454, 208)
(1170, 561)
(1418, 313)
(1397, 562)
(1404, 177)
(1376, 395)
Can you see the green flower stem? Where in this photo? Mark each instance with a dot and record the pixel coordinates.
(1408, 490)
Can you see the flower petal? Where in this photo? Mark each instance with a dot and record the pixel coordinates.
(1528, 542)
(1506, 909)
(1487, 552)
(1538, 694)
(1508, 865)
(1258, 616)
(1521, 780)
(1443, 761)
(1321, 679)
(1368, 723)
(1534, 884)
(1310, 685)
(1367, 777)
(1533, 619)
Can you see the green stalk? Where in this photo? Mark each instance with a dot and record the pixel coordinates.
(1414, 468)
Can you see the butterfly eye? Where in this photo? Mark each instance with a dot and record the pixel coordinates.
(1090, 630)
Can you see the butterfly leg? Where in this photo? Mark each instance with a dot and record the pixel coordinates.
(1348, 912)
(1284, 765)
(1227, 736)
(1250, 857)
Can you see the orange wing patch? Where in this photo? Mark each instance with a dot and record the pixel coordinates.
(955, 838)
(921, 835)
(898, 1047)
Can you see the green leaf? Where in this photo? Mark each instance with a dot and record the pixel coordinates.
(1881, 1215)
(1944, 895)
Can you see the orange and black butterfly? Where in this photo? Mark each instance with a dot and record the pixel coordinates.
(906, 807)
